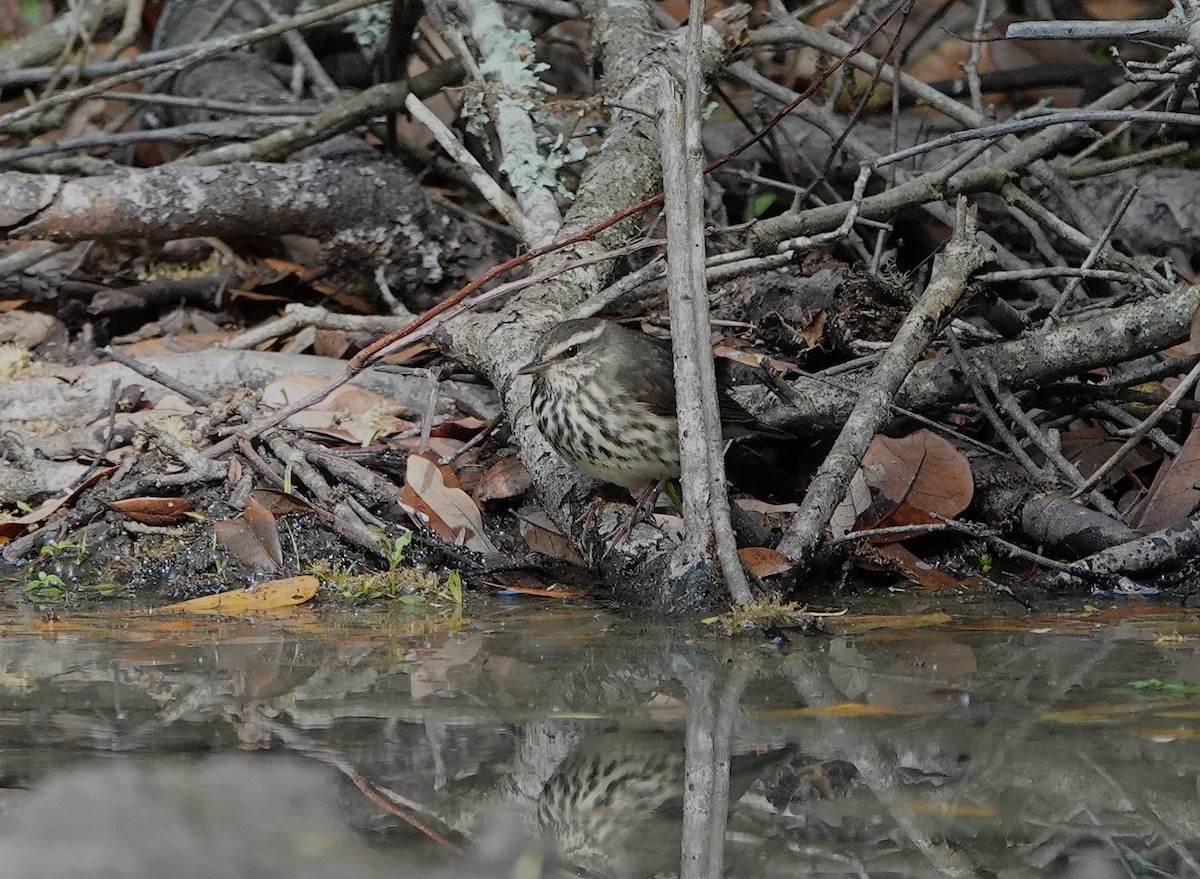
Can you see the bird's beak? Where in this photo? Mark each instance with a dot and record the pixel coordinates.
(532, 367)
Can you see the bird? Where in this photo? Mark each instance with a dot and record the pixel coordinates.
(604, 398)
(614, 806)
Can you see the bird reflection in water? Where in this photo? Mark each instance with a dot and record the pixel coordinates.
(614, 806)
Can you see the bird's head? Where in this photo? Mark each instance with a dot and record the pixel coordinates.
(570, 353)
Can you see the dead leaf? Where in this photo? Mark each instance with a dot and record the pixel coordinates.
(923, 573)
(1174, 493)
(438, 446)
(254, 539)
(505, 480)
(955, 810)
(541, 536)
(856, 502)
(265, 528)
(914, 476)
(14, 526)
(265, 596)
(517, 584)
(280, 503)
(154, 510)
(463, 428)
(1097, 713)
(186, 343)
(754, 361)
(764, 561)
(351, 414)
(848, 624)
(1089, 447)
(453, 515)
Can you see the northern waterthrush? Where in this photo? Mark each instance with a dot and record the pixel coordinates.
(604, 398)
(615, 805)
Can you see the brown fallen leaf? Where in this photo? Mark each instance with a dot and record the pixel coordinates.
(920, 571)
(14, 526)
(541, 535)
(1173, 494)
(453, 515)
(505, 480)
(254, 539)
(913, 477)
(271, 595)
(153, 510)
(764, 561)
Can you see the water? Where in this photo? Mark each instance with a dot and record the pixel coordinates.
(1056, 746)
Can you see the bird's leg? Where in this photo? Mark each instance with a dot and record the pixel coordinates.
(643, 510)
(645, 502)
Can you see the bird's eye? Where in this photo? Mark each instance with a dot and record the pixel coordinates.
(572, 351)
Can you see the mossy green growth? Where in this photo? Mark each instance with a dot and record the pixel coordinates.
(410, 586)
(765, 611)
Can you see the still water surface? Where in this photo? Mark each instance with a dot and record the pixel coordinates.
(378, 744)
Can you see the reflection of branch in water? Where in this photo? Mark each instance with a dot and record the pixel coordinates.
(879, 772)
(388, 800)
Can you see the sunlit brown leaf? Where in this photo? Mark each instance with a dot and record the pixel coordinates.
(914, 476)
(266, 596)
(763, 508)
(351, 414)
(453, 515)
(154, 510)
(185, 343)
(754, 361)
(764, 561)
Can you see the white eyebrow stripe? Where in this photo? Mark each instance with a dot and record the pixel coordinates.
(578, 338)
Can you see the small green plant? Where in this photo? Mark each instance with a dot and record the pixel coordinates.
(985, 563)
(57, 548)
(45, 587)
(394, 548)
